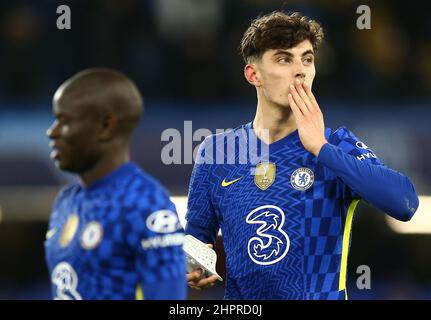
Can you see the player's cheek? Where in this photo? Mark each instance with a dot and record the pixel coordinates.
(310, 75)
(64, 130)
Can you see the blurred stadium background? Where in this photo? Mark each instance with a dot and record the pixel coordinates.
(183, 56)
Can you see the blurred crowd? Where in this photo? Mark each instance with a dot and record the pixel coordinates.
(188, 49)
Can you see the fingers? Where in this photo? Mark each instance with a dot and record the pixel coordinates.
(207, 282)
(295, 109)
(304, 98)
(199, 284)
(310, 95)
(298, 100)
(194, 275)
(303, 95)
(195, 281)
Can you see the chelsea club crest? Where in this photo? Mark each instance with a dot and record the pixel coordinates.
(302, 179)
(91, 235)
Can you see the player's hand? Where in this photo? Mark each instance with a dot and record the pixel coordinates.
(195, 280)
(309, 117)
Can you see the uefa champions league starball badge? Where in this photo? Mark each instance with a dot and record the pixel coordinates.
(302, 179)
(265, 175)
(69, 230)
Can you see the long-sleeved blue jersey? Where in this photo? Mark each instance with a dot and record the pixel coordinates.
(286, 227)
(119, 238)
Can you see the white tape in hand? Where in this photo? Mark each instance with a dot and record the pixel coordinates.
(199, 255)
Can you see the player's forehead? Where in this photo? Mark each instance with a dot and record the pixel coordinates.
(70, 102)
(65, 106)
(58, 108)
(300, 49)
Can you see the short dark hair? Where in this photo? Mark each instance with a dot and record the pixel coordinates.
(279, 30)
(107, 91)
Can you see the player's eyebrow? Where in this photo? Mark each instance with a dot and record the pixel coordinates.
(56, 113)
(289, 54)
(309, 51)
(60, 114)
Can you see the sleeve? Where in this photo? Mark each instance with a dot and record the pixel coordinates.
(202, 221)
(155, 236)
(366, 177)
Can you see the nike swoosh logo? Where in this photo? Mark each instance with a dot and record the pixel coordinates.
(50, 233)
(225, 183)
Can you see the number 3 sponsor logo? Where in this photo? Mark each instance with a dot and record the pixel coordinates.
(65, 279)
(271, 243)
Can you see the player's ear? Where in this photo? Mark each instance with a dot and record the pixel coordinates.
(251, 74)
(108, 127)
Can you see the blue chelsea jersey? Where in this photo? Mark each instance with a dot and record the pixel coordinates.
(119, 238)
(286, 222)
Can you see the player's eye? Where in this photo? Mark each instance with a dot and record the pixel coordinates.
(61, 120)
(308, 60)
(284, 60)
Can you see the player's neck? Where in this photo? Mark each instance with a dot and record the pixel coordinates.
(104, 167)
(278, 120)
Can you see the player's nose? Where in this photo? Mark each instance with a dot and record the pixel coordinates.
(52, 131)
(300, 77)
(299, 71)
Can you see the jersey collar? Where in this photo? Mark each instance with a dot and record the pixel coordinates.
(121, 171)
(287, 140)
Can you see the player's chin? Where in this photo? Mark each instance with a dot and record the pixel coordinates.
(283, 104)
(62, 164)
(282, 101)
(65, 164)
